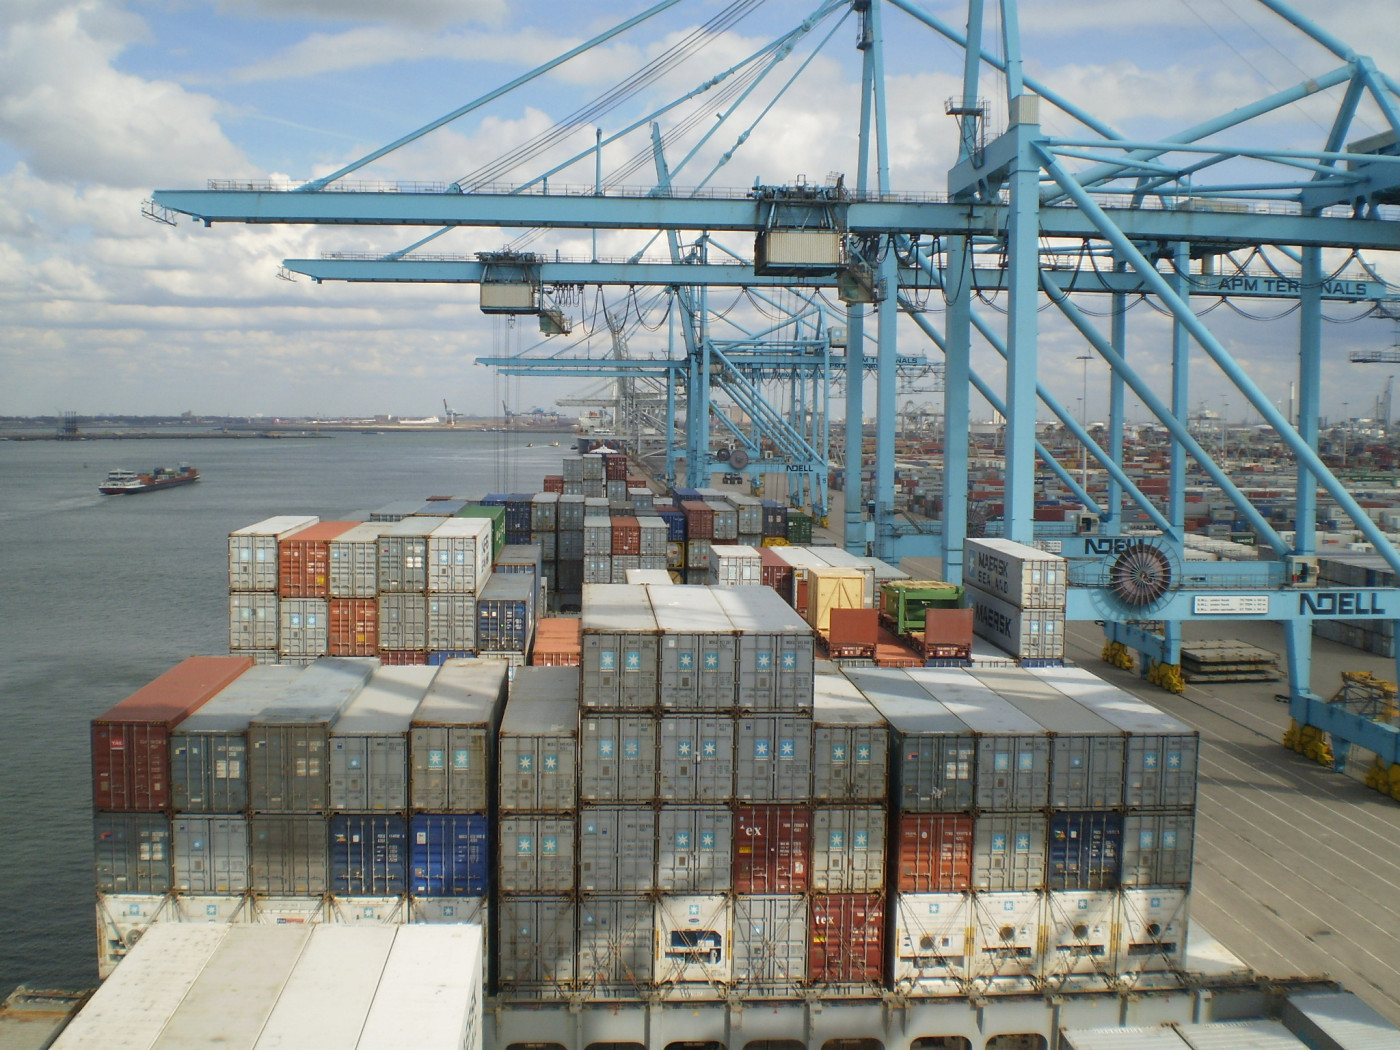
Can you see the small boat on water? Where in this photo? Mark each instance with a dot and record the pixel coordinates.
(123, 482)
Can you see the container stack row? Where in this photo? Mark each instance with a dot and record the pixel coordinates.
(1017, 595)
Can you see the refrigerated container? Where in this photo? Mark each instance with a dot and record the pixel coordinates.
(431, 992)
(210, 854)
(931, 932)
(1023, 576)
(459, 552)
(698, 649)
(369, 741)
(772, 849)
(850, 743)
(621, 648)
(1007, 946)
(288, 854)
(252, 551)
(775, 650)
(124, 918)
(693, 943)
(449, 855)
(452, 737)
(694, 849)
(538, 741)
(848, 849)
(617, 758)
(1153, 924)
(1080, 932)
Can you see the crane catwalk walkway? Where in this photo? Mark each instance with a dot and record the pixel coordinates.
(1297, 867)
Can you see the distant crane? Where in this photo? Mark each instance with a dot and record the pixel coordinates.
(451, 415)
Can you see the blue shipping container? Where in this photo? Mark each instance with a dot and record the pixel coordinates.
(441, 656)
(505, 613)
(369, 855)
(675, 525)
(1086, 850)
(450, 855)
(494, 499)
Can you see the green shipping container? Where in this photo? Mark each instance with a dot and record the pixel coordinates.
(497, 515)
(799, 527)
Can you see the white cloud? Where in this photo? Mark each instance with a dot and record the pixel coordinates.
(425, 13)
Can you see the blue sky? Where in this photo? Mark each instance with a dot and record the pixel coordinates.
(103, 101)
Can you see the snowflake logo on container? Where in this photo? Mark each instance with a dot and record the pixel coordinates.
(631, 749)
(1025, 761)
(933, 909)
(761, 749)
(1173, 759)
(686, 661)
(683, 749)
(787, 749)
(605, 749)
(1009, 906)
(789, 661)
(1149, 760)
(461, 758)
(549, 845)
(838, 840)
(634, 660)
(1001, 763)
(524, 845)
(707, 840)
(1023, 843)
(863, 753)
(1145, 839)
(551, 763)
(1169, 840)
(607, 661)
(765, 661)
(590, 829)
(527, 764)
(862, 840)
(999, 843)
(435, 758)
(838, 752)
(709, 748)
(682, 840)
(712, 661)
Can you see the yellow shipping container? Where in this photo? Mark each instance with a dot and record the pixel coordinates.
(832, 587)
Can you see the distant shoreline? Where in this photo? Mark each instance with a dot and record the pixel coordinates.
(278, 431)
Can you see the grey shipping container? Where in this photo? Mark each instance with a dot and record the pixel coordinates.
(452, 738)
(536, 951)
(770, 945)
(539, 741)
(697, 554)
(773, 758)
(694, 849)
(848, 849)
(459, 556)
(571, 508)
(252, 551)
(131, 852)
(621, 643)
(1157, 848)
(617, 758)
(622, 564)
(597, 568)
(726, 523)
(303, 626)
(776, 650)
(616, 849)
(1026, 577)
(369, 741)
(209, 750)
(1338, 1021)
(1013, 749)
(253, 618)
(654, 532)
(210, 854)
(403, 621)
(544, 512)
(932, 752)
(535, 854)
(850, 743)
(452, 621)
(289, 744)
(614, 946)
(568, 546)
(354, 562)
(597, 535)
(1087, 752)
(403, 555)
(1162, 752)
(288, 855)
(1037, 633)
(1008, 852)
(699, 650)
(733, 565)
(695, 758)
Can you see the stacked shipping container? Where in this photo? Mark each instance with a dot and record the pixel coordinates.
(1017, 594)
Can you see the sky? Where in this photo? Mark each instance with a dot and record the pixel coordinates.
(104, 101)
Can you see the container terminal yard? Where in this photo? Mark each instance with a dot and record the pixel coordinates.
(746, 732)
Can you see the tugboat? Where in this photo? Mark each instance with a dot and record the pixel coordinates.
(123, 482)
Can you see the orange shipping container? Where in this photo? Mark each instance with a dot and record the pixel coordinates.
(353, 626)
(304, 560)
(558, 642)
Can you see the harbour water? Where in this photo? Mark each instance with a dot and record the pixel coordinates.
(100, 594)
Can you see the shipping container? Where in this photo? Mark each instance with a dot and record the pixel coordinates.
(1027, 634)
(830, 587)
(840, 558)
(459, 553)
(850, 743)
(368, 854)
(403, 622)
(846, 949)
(699, 520)
(848, 849)
(776, 651)
(735, 566)
(289, 744)
(438, 911)
(1080, 932)
(452, 738)
(931, 935)
(693, 943)
(1009, 852)
(403, 556)
(353, 626)
(1023, 576)
(1153, 924)
(252, 551)
(933, 751)
(369, 742)
(616, 849)
(697, 559)
(597, 534)
(253, 618)
(303, 560)
(694, 849)
(496, 515)
(1157, 848)
(772, 849)
(801, 559)
(303, 627)
(773, 758)
(655, 534)
(570, 513)
(449, 855)
(210, 854)
(539, 741)
(209, 749)
(517, 558)
(776, 573)
(1007, 946)
(1161, 750)
(597, 568)
(131, 741)
(431, 992)
(724, 522)
(558, 642)
(505, 613)
(621, 647)
(142, 998)
(1337, 1021)
(131, 852)
(354, 562)
(544, 512)
(395, 511)
(617, 758)
(1086, 850)
(695, 758)
(451, 622)
(932, 853)
(535, 854)
(626, 536)
(770, 945)
(698, 649)
(615, 951)
(288, 855)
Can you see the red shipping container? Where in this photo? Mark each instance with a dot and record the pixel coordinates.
(772, 849)
(558, 642)
(304, 560)
(626, 536)
(847, 939)
(799, 594)
(699, 519)
(554, 483)
(131, 741)
(615, 467)
(401, 657)
(948, 627)
(933, 853)
(854, 627)
(776, 573)
(353, 626)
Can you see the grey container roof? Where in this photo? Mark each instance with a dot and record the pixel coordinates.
(759, 610)
(1154, 1038)
(617, 607)
(688, 610)
(975, 702)
(232, 708)
(411, 526)
(837, 702)
(543, 702)
(280, 525)
(1342, 1018)
(1054, 710)
(508, 586)
(1013, 550)
(905, 704)
(1116, 705)
(385, 706)
(1259, 1034)
(320, 692)
(366, 532)
(463, 693)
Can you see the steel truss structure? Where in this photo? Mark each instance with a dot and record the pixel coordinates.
(1040, 219)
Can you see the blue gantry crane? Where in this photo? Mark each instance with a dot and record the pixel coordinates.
(1035, 219)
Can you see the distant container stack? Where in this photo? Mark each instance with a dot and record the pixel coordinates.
(1017, 595)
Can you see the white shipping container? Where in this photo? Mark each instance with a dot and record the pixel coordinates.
(459, 556)
(1154, 925)
(122, 920)
(1006, 937)
(252, 551)
(431, 992)
(1026, 634)
(931, 935)
(326, 999)
(252, 620)
(303, 627)
(732, 565)
(693, 942)
(1080, 932)
(1023, 576)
